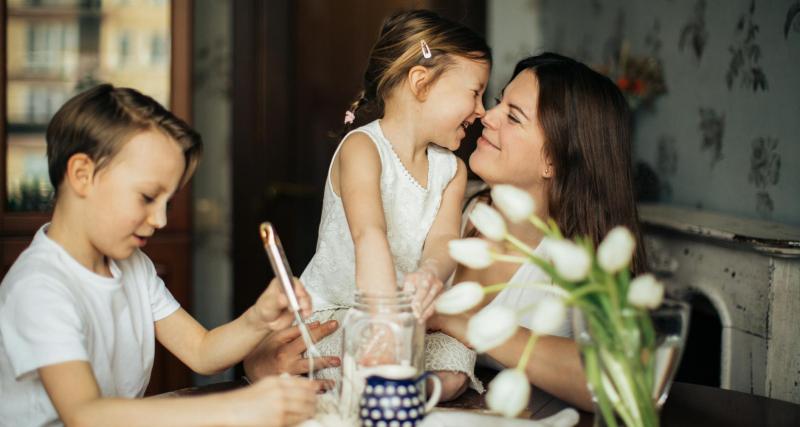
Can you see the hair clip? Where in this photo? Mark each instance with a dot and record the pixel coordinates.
(426, 51)
(349, 117)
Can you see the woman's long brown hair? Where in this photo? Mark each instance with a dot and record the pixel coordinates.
(587, 129)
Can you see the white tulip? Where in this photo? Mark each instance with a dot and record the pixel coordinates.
(616, 250)
(460, 298)
(491, 327)
(472, 252)
(488, 221)
(548, 316)
(570, 260)
(645, 292)
(516, 204)
(509, 393)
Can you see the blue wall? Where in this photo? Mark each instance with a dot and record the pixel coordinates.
(726, 135)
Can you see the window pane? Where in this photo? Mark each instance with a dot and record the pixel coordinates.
(57, 48)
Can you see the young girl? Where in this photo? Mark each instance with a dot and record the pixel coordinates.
(394, 190)
(82, 306)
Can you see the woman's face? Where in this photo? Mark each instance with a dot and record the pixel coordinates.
(510, 150)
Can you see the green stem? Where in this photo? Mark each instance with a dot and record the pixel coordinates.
(592, 367)
(620, 377)
(526, 353)
(497, 287)
(538, 223)
(580, 292)
(509, 258)
(519, 244)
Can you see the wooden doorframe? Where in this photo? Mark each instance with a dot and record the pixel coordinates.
(260, 112)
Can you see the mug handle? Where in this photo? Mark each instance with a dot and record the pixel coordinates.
(437, 390)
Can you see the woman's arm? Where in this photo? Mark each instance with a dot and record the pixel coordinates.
(76, 397)
(282, 352)
(435, 265)
(554, 366)
(358, 170)
(208, 352)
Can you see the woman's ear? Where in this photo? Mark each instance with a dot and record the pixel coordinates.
(549, 170)
(418, 81)
(79, 174)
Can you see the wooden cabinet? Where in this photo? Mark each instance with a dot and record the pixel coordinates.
(51, 50)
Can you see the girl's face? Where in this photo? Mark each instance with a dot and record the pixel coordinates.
(510, 149)
(128, 198)
(454, 101)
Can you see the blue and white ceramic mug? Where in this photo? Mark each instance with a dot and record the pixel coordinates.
(393, 397)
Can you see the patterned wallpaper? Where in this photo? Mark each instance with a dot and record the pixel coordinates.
(726, 134)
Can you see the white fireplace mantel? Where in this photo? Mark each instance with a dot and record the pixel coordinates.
(750, 271)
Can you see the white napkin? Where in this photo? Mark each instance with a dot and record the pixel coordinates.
(565, 418)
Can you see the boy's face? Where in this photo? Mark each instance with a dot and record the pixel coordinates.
(128, 199)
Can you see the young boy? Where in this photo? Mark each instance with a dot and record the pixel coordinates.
(81, 307)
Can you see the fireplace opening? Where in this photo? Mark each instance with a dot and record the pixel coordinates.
(700, 363)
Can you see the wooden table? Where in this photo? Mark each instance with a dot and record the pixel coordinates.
(688, 405)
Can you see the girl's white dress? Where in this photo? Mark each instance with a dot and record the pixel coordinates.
(409, 210)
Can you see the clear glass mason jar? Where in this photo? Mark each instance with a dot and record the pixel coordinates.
(380, 329)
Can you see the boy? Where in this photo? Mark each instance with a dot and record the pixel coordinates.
(81, 307)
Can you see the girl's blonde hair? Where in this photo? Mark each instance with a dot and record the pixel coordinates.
(400, 47)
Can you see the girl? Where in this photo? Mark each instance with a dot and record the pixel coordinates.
(561, 132)
(394, 190)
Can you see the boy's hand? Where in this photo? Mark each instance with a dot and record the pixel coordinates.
(274, 401)
(272, 307)
(426, 286)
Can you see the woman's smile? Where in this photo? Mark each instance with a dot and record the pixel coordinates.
(486, 143)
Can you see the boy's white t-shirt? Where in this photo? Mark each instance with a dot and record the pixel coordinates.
(54, 310)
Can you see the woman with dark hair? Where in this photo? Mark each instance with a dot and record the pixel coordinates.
(561, 132)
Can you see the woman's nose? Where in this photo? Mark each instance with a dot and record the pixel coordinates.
(489, 117)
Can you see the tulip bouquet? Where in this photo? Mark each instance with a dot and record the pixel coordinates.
(619, 362)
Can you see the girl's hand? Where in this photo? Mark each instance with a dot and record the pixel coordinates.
(380, 348)
(274, 402)
(426, 286)
(272, 307)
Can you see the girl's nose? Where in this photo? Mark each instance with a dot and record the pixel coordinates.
(479, 110)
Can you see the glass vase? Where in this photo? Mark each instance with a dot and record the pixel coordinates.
(379, 331)
(630, 359)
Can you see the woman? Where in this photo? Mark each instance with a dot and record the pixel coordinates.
(561, 132)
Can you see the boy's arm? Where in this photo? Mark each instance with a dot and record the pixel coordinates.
(208, 352)
(76, 397)
(435, 259)
(360, 189)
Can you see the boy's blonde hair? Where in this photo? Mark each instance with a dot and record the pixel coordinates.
(399, 48)
(99, 121)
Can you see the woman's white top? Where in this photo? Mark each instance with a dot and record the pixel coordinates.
(409, 210)
(523, 298)
(526, 298)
